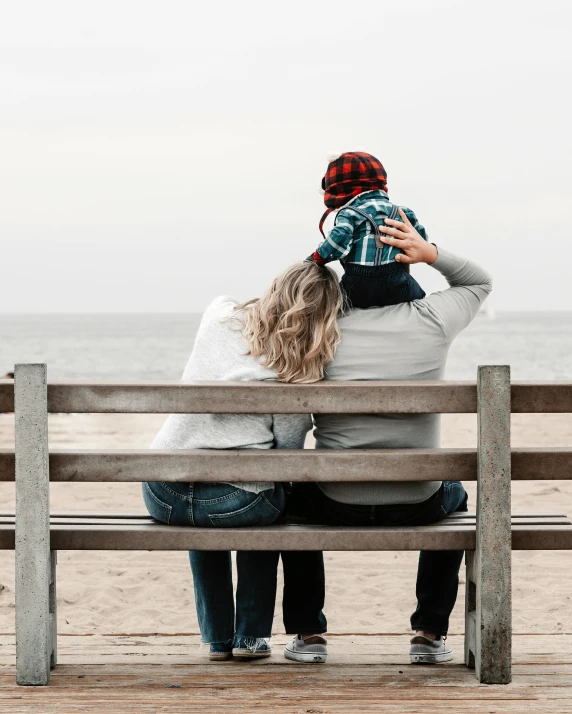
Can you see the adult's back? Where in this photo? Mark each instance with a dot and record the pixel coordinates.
(402, 342)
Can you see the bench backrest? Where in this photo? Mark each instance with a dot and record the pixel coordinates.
(35, 398)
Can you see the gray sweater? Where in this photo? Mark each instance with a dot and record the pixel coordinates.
(402, 342)
(220, 353)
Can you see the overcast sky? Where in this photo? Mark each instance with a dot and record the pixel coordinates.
(156, 154)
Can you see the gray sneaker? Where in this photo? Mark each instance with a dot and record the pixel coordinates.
(312, 651)
(426, 651)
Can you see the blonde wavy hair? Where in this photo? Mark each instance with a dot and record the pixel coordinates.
(293, 327)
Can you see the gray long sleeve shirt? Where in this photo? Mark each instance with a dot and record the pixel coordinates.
(401, 342)
(220, 353)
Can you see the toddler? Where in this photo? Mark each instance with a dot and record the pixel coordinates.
(356, 183)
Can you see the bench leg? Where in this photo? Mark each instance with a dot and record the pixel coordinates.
(470, 610)
(53, 610)
(32, 546)
(491, 563)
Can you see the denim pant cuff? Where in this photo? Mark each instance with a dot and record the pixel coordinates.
(429, 628)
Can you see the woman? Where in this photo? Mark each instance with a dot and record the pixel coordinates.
(289, 334)
(402, 342)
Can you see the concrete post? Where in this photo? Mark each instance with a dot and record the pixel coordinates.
(491, 565)
(33, 569)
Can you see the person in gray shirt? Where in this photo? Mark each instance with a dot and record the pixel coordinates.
(402, 342)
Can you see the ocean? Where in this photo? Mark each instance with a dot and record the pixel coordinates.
(538, 346)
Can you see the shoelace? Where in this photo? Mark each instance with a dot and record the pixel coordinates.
(254, 643)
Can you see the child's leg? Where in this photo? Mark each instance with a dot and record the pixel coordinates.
(379, 286)
(403, 288)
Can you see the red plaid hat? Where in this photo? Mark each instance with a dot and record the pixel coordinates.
(347, 176)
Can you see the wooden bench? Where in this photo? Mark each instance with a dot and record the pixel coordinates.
(487, 537)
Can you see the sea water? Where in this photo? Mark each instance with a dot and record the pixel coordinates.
(538, 346)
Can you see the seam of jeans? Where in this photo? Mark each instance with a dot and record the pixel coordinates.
(265, 498)
(218, 500)
(159, 502)
(177, 495)
(218, 518)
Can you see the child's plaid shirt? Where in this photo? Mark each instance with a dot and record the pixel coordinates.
(352, 239)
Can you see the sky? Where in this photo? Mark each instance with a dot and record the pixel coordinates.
(156, 155)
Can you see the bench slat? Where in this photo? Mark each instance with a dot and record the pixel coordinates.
(290, 465)
(460, 515)
(260, 397)
(453, 521)
(6, 395)
(445, 535)
(263, 397)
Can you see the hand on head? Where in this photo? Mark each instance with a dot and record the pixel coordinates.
(405, 237)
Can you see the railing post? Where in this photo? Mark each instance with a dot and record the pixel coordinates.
(491, 564)
(34, 637)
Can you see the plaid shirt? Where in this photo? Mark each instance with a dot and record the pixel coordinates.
(352, 239)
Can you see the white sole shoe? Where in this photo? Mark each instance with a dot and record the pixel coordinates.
(299, 651)
(426, 651)
(431, 658)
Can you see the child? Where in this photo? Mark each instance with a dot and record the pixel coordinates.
(356, 183)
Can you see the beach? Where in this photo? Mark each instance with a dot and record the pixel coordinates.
(368, 593)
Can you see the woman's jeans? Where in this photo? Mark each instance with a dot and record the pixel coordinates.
(438, 571)
(220, 505)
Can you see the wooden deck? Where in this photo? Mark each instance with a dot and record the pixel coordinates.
(148, 674)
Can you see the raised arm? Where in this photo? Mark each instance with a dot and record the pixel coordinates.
(469, 283)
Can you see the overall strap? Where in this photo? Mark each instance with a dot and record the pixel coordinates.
(363, 214)
(380, 246)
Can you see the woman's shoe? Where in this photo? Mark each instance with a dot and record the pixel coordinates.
(220, 651)
(251, 648)
(426, 651)
(313, 650)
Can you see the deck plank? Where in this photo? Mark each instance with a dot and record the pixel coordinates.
(148, 674)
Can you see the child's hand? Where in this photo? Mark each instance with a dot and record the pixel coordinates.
(405, 237)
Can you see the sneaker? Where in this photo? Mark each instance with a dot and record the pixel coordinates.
(426, 651)
(313, 650)
(251, 647)
(220, 651)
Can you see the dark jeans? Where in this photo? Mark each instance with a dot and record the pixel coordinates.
(220, 505)
(379, 285)
(438, 571)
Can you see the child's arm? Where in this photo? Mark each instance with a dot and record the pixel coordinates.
(339, 240)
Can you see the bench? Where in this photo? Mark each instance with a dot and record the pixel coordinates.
(488, 537)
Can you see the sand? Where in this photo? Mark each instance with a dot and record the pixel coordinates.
(132, 592)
